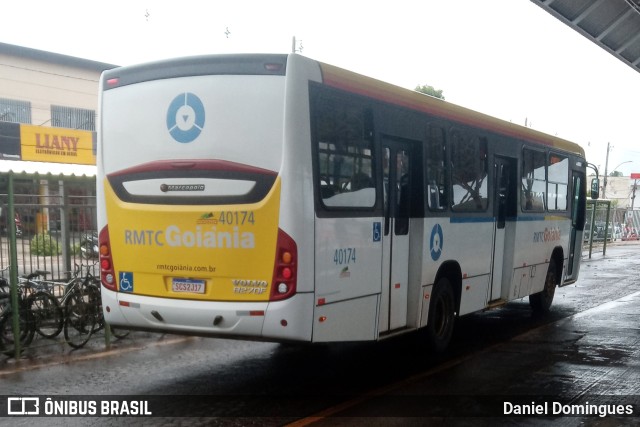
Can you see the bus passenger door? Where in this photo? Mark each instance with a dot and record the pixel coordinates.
(578, 206)
(505, 211)
(396, 168)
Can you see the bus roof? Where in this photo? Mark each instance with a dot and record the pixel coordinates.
(246, 64)
(275, 64)
(372, 88)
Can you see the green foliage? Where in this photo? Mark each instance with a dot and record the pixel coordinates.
(75, 249)
(44, 244)
(430, 90)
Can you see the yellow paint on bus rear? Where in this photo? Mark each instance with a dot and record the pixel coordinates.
(231, 248)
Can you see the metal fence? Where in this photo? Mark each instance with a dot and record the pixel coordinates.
(605, 224)
(631, 225)
(54, 217)
(45, 223)
(598, 226)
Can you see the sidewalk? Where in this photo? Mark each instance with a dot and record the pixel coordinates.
(44, 352)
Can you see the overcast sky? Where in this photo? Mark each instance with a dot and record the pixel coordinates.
(506, 58)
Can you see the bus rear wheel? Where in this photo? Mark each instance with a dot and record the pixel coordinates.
(442, 314)
(541, 301)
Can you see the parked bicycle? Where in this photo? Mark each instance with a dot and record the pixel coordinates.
(26, 320)
(82, 307)
(43, 303)
(79, 304)
(94, 284)
(81, 301)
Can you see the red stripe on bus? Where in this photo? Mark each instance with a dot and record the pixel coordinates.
(193, 164)
(386, 92)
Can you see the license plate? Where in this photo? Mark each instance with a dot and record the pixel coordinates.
(191, 286)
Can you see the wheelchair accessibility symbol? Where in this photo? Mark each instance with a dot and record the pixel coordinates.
(185, 117)
(126, 281)
(436, 241)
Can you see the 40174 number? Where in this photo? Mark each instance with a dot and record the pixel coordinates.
(235, 218)
(344, 256)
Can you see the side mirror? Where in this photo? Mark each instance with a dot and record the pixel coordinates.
(595, 188)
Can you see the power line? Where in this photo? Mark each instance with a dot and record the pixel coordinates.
(48, 73)
(56, 88)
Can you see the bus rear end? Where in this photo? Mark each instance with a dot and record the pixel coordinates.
(189, 197)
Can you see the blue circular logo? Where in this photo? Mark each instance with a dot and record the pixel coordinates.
(185, 117)
(436, 241)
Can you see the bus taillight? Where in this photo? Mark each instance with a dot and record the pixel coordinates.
(285, 268)
(107, 275)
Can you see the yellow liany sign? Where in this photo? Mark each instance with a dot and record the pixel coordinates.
(58, 145)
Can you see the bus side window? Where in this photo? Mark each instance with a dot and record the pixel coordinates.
(436, 185)
(469, 171)
(534, 180)
(403, 185)
(344, 154)
(558, 182)
(386, 159)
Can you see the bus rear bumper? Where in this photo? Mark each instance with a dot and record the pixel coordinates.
(288, 320)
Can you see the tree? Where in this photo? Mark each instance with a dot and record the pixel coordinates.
(430, 90)
(615, 173)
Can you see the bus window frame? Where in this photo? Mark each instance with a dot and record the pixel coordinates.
(533, 148)
(318, 93)
(467, 135)
(566, 157)
(446, 169)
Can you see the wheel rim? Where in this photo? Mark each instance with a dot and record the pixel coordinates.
(550, 285)
(442, 318)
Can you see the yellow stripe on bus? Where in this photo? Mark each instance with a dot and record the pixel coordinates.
(229, 249)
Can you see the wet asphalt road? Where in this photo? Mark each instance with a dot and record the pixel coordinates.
(586, 348)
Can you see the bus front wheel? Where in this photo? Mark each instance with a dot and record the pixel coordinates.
(541, 302)
(442, 313)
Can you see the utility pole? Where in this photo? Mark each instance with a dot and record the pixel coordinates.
(296, 47)
(606, 168)
(635, 177)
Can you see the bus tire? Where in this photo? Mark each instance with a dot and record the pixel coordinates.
(442, 314)
(541, 302)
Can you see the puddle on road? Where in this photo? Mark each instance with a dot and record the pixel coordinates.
(597, 355)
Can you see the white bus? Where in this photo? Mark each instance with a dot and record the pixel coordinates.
(273, 197)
